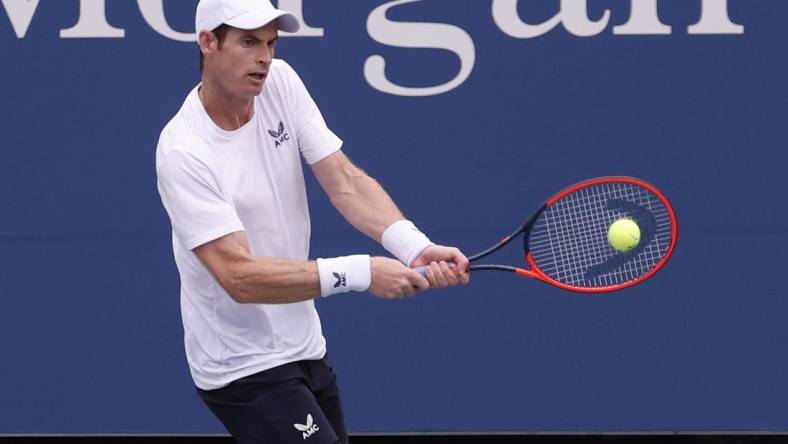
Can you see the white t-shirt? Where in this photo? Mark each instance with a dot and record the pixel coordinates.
(214, 182)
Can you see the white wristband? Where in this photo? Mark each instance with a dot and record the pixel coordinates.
(344, 273)
(405, 241)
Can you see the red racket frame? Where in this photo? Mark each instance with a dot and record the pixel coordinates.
(535, 273)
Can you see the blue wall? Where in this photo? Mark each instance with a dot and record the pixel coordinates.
(90, 331)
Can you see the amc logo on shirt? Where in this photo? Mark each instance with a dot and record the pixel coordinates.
(280, 135)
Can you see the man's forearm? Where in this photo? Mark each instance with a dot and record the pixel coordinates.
(365, 204)
(273, 281)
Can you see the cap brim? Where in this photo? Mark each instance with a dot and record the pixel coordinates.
(261, 17)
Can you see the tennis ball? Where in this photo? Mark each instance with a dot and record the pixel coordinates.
(624, 235)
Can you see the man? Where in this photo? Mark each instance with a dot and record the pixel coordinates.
(230, 177)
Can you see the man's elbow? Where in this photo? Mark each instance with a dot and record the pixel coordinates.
(240, 295)
(238, 287)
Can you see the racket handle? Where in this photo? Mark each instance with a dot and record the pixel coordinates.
(422, 269)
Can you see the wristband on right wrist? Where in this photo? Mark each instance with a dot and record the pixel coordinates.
(344, 273)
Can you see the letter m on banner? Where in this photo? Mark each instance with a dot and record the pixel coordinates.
(20, 13)
(93, 23)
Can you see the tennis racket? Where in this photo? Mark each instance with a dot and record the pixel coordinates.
(565, 242)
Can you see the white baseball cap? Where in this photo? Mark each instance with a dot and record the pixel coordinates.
(242, 14)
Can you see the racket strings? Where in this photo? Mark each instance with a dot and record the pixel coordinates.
(569, 240)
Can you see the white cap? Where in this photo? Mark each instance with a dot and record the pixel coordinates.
(242, 14)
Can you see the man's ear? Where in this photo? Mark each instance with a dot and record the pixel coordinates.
(208, 42)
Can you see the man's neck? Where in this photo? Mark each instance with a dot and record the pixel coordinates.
(227, 111)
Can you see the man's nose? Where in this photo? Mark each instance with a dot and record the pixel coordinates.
(265, 55)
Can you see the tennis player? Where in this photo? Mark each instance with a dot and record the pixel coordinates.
(230, 177)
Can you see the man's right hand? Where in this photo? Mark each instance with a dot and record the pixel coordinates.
(392, 280)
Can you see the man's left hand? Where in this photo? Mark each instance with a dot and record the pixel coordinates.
(439, 273)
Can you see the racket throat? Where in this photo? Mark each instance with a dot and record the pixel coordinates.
(527, 273)
(509, 268)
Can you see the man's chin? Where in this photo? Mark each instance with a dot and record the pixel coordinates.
(256, 91)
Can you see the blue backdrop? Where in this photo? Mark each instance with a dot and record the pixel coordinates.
(90, 329)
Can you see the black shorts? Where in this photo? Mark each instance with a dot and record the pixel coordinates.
(294, 403)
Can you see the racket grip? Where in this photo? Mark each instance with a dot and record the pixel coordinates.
(422, 269)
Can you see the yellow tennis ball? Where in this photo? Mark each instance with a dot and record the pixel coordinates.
(624, 235)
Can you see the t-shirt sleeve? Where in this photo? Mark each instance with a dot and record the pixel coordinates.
(198, 210)
(315, 139)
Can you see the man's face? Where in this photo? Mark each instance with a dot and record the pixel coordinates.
(241, 64)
